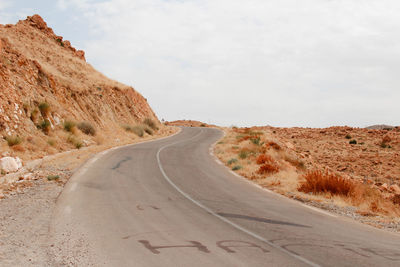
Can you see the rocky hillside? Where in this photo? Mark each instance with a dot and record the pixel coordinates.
(47, 88)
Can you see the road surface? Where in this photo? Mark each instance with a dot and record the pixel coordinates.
(169, 203)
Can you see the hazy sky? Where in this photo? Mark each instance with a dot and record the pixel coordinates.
(310, 63)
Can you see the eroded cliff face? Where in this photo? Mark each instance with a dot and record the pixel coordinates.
(44, 80)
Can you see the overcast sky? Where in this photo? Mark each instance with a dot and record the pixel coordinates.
(312, 63)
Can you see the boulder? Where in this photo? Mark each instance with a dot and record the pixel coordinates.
(10, 164)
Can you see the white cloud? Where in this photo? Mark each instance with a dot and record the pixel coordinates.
(287, 62)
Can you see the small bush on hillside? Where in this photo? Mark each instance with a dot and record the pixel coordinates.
(237, 167)
(268, 168)
(231, 161)
(69, 126)
(325, 182)
(203, 125)
(353, 142)
(44, 108)
(149, 122)
(34, 115)
(264, 158)
(148, 130)
(75, 141)
(87, 128)
(138, 130)
(256, 141)
(13, 140)
(44, 125)
(51, 142)
(53, 177)
(243, 154)
(348, 136)
(273, 145)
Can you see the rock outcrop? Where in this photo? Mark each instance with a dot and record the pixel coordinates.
(45, 81)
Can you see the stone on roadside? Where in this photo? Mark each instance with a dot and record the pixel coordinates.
(10, 164)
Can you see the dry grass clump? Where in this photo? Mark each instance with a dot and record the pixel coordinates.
(87, 128)
(273, 145)
(149, 122)
(138, 129)
(13, 140)
(44, 108)
(268, 168)
(324, 182)
(77, 143)
(261, 159)
(44, 125)
(299, 164)
(69, 126)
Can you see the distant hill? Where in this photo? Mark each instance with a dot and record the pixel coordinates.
(379, 127)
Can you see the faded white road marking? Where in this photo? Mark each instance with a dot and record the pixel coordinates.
(304, 260)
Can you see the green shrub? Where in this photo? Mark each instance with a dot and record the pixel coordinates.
(44, 125)
(231, 161)
(149, 122)
(87, 128)
(44, 108)
(256, 141)
(348, 136)
(203, 125)
(53, 177)
(353, 142)
(237, 167)
(69, 126)
(243, 154)
(13, 140)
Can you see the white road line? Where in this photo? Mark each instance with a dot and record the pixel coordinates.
(220, 217)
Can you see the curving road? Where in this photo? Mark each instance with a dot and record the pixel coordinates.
(169, 203)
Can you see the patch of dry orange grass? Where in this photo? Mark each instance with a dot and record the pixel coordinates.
(268, 168)
(368, 199)
(324, 182)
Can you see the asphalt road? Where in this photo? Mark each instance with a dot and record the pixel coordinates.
(169, 203)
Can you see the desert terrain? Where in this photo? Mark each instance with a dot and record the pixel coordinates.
(351, 171)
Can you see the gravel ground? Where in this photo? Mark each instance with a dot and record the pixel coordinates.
(24, 223)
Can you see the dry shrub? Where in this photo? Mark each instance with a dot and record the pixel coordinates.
(69, 126)
(87, 128)
(295, 162)
(149, 122)
(13, 140)
(324, 182)
(396, 199)
(268, 168)
(273, 145)
(264, 159)
(386, 139)
(19, 148)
